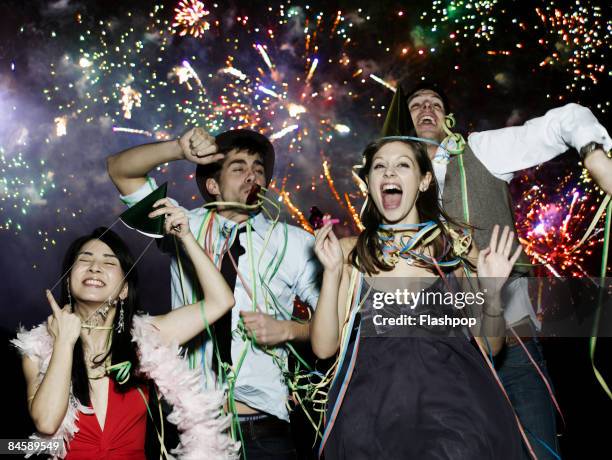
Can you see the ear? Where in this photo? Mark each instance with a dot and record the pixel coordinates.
(212, 187)
(425, 182)
(124, 292)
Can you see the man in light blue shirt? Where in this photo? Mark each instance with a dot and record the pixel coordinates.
(273, 265)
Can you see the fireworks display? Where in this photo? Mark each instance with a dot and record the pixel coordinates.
(579, 38)
(189, 18)
(316, 80)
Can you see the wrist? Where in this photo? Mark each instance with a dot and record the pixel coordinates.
(177, 150)
(187, 238)
(589, 148)
(64, 343)
(289, 334)
(335, 272)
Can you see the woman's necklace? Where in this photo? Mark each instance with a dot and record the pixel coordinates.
(98, 318)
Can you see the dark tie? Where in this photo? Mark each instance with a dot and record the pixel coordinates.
(223, 327)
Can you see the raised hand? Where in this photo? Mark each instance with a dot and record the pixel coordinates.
(177, 222)
(63, 325)
(327, 248)
(199, 147)
(495, 262)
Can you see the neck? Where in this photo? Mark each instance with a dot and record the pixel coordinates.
(234, 215)
(431, 150)
(412, 218)
(90, 315)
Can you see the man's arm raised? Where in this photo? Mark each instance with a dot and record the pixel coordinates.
(128, 169)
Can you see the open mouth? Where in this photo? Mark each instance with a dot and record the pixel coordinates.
(93, 282)
(391, 195)
(427, 120)
(253, 194)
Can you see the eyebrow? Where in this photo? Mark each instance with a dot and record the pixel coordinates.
(424, 95)
(403, 155)
(87, 253)
(243, 162)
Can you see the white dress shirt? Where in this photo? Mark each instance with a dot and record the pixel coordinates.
(260, 383)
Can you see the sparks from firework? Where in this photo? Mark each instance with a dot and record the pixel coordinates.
(189, 18)
(471, 19)
(130, 98)
(578, 39)
(552, 220)
(21, 186)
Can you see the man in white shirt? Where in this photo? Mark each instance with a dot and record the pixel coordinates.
(489, 161)
(245, 245)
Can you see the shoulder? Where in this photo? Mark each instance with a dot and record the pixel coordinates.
(297, 234)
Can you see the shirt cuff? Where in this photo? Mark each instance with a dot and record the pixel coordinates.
(143, 191)
(597, 133)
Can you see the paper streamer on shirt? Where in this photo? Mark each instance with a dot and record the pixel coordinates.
(212, 242)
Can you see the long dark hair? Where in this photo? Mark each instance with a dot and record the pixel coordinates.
(122, 347)
(366, 253)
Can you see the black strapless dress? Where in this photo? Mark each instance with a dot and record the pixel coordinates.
(429, 397)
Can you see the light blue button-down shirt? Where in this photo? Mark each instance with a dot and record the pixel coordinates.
(260, 382)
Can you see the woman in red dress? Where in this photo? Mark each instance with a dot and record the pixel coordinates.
(88, 368)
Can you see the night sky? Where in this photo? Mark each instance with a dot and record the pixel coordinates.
(316, 76)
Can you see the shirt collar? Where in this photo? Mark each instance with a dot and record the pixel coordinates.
(442, 155)
(259, 223)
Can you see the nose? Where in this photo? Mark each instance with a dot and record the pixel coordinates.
(250, 178)
(389, 171)
(94, 267)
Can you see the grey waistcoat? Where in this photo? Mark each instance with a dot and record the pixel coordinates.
(489, 200)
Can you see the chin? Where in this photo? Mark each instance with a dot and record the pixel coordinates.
(393, 216)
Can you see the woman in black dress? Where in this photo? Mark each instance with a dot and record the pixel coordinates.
(411, 388)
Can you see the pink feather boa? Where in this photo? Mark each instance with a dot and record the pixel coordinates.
(195, 411)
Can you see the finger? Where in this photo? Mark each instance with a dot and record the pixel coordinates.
(509, 242)
(325, 230)
(163, 201)
(482, 255)
(174, 224)
(503, 238)
(516, 255)
(205, 150)
(54, 306)
(248, 316)
(332, 236)
(208, 159)
(322, 236)
(198, 132)
(493, 242)
(201, 142)
(168, 211)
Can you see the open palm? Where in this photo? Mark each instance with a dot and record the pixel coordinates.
(495, 262)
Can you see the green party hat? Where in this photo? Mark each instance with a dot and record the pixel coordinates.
(137, 216)
(398, 121)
